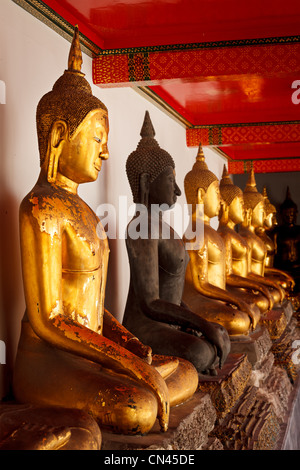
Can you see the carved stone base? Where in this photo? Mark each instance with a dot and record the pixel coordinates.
(275, 321)
(226, 388)
(295, 301)
(251, 425)
(287, 309)
(285, 350)
(290, 439)
(189, 427)
(256, 345)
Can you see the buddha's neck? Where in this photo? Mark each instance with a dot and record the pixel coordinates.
(60, 180)
(65, 183)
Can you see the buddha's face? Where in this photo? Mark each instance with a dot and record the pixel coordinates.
(258, 215)
(289, 216)
(82, 155)
(237, 210)
(164, 189)
(212, 200)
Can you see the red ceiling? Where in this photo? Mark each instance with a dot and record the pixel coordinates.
(136, 23)
(229, 91)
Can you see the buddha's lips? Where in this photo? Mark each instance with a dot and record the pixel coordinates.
(98, 166)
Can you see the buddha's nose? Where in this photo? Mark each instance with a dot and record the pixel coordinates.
(177, 190)
(104, 154)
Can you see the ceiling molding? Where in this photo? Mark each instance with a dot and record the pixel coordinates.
(147, 67)
(49, 17)
(264, 166)
(236, 134)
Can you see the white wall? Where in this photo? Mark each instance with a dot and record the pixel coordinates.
(32, 57)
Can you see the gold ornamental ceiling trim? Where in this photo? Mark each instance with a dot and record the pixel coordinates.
(49, 17)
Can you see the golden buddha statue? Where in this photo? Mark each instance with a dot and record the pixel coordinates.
(231, 214)
(154, 311)
(205, 289)
(254, 218)
(286, 238)
(72, 352)
(270, 222)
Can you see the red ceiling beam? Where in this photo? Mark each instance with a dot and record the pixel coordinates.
(152, 65)
(236, 134)
(264, 166)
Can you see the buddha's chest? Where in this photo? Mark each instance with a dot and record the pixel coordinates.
(239, 247)
(173, 257)
(84, 242)
(215, 246)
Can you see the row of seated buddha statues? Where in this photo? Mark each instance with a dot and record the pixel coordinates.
(285, 237)
(185, 302)
(265, 232)
(72, 352)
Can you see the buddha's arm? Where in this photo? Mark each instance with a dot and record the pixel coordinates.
(267, 282)
(143, 256)
(199, 270)
(42, 273)
(279, 272)
(115, 331)
(243, 282)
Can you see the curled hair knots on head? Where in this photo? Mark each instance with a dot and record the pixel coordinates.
(199, 177)
(70, 99)
(251, 196)
(147, 158)
(228, 190)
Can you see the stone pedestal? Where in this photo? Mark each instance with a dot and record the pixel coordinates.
(291, 427)
(256, 345)
(284, 350)
(287, 308)
(189, 427)
(275, 321)
(251, 425)
(226, 388)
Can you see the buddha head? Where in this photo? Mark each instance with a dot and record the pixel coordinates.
(151, 171)
(270, 211)
(254, 203)
(202, 187)
(72, 125)
(288, 210)
(232, 206)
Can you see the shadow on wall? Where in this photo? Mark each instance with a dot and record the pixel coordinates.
(276, 184)
(10, 271)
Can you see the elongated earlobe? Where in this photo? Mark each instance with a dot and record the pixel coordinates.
(224, 212)
(53, 165)
(248, 216)
(200, 196)
(57, 136)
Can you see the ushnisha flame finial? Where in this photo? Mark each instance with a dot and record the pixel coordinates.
(75, 55)
(147, 129)
(251, 195)
(251, 180)
(225, 177)
(200, 155)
